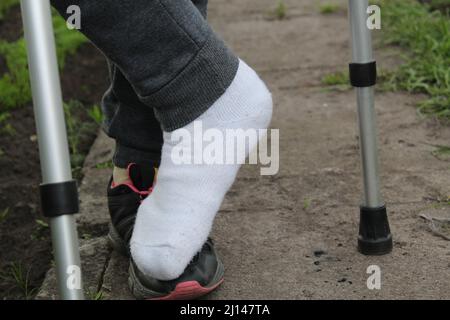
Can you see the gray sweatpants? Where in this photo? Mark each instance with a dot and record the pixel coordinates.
(167, 67)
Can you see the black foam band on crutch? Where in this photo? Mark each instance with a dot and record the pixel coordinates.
(59, 199)
(363, 74)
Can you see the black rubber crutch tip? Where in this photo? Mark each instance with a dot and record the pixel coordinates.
(375, 237)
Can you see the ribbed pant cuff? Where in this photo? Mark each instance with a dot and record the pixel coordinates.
(197, 87)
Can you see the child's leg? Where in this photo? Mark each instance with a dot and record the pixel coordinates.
(130, 122)
(175, 221)
(178, 66)
(165, 49)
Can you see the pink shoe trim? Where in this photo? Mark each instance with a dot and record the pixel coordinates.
(188, 290)
(130, 185)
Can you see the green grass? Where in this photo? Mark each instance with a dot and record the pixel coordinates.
(5, 5)
(16, 92)
(4, 214)
(15, 84)
(339, 80)
(306, 204)
(5, 127)
(42, 224)
(442, 152)
(77, 130)
(40, 230)
(95, 295)
(329, 8)
(280, 11)
(19, 277)
(105, 165)
(96, 114)
(425, 35)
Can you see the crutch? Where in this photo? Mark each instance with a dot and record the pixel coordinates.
(374, 233)
(59, 196)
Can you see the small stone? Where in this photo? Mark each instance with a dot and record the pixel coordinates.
(319, 253)
(19, 205)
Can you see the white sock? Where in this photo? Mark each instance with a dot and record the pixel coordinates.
(174, 222)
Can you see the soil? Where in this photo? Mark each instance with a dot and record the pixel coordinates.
(23, 241)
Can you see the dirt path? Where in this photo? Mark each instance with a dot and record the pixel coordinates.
(293, 235)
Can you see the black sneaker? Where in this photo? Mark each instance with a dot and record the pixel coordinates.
(123, 203)
(203, 275)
